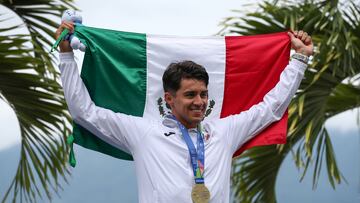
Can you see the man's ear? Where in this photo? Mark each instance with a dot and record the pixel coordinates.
(169, 98)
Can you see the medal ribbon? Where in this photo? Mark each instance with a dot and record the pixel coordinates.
(197, 156)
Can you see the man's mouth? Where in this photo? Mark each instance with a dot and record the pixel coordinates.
(197, 110)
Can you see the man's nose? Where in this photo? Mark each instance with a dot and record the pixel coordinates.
(198, 100)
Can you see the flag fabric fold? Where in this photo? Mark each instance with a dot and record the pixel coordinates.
(122, 72)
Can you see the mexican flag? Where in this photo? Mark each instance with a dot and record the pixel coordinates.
(123, 72)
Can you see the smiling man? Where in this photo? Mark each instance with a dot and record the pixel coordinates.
(185, 86)
(192, 162)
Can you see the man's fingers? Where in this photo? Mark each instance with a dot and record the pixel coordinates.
(64, 25)
(307, 40)
(291, 35)
(68, 25)
(300, 34)
(295, 33)
(304, 36)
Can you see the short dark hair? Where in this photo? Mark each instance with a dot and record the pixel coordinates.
(175, 72)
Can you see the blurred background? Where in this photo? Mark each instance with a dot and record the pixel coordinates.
(320, 162)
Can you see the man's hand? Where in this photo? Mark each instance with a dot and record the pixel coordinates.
(301, 42)
(65, 44)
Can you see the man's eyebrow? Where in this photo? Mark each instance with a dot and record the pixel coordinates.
(189, 91)
(195, 91)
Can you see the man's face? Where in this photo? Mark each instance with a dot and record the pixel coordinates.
(189, 103)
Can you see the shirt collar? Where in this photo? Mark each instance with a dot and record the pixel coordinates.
(171, 123)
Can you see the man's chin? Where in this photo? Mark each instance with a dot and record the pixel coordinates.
(198, 119)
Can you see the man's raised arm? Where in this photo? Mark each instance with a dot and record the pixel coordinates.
(117, 129)
(244, 126)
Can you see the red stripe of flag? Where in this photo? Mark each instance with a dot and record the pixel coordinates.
(253, 67)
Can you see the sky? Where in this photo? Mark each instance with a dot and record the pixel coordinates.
(176, 17)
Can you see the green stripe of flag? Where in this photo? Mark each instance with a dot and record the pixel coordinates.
(120, 70)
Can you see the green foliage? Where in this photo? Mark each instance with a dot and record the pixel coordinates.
(330, 87)
(29, 85)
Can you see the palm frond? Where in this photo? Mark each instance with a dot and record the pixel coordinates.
(39, 105)
(29, 84)
(41, 18)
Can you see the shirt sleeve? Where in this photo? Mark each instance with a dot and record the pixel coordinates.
(120, 130)
(242, 127)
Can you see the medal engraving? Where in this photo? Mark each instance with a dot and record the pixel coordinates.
(200, 194)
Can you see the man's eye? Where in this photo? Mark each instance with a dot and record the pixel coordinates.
(190, 94)
(204, 95)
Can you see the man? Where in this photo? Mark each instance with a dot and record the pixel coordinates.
(194, 164)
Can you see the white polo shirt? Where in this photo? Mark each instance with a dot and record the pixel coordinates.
(162, 160)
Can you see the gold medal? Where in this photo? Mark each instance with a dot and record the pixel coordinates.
(200, 194)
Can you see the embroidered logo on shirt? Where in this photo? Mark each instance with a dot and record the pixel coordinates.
(206, 136)
(168, 134)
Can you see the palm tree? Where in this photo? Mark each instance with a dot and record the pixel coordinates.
(29, 85)
(329, 88)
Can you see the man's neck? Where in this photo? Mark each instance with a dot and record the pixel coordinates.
(189, 126)
(186, 124)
